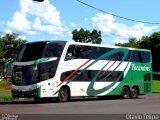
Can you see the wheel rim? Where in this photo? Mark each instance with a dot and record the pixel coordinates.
(134, 93)
(63, 95)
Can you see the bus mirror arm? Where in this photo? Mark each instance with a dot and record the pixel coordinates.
(43, 60)
(39, 61)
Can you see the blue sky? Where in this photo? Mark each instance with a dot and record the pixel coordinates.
(56, 19)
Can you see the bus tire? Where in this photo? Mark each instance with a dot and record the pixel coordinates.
(125, 92)
(63, 95)
(134, 93)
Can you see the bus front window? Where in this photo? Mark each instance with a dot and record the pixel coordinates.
(53, 49)
(31, 52)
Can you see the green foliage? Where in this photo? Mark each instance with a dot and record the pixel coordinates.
(8, 45)
(1, 48)
(132, 42)
(86, 36)
(152, 42)
(6, 96)
(156, 86)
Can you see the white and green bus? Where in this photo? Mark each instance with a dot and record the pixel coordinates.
(62, 69)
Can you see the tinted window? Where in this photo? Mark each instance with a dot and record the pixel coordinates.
(31, 51)
(112, 76)
(128, 58)
(54, 49)
(88, 75)
(91, 52)
(145, 56)
(135, 57)
(138, 56)
(73, 52)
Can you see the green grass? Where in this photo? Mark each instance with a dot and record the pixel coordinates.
(6, 97)
(5, 86)
(5, 82)
(156, 86)
(5, 92)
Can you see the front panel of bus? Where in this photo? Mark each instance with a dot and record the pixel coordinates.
(35, 62)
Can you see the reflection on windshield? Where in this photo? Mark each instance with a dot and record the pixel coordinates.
(53, 50)
(37, 50)
(31, 51)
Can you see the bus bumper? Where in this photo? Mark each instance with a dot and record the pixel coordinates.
(25, 94)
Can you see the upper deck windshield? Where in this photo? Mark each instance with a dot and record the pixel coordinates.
(36, 50)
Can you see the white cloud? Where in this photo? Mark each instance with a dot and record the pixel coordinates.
(119, 41)
(70, 34)
(22, 37)
(119, 31)
(73, 24)
(46, 11)
(19, 22)
(8, 31)
(36, 17)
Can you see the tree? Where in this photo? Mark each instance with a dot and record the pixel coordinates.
(86, 36)
(1, 48)
(153, 43)
(132, 42)
(9, 44)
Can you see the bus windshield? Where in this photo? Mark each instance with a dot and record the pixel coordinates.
(37, 50)
(31, 51)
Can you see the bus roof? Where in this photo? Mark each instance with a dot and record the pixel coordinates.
(100, 45)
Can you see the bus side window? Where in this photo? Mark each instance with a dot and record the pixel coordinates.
(72, 53)
(69, 54)
(135, 57)
(145, 56)
(128, 57)
(86, 52)
(120, 55)
(53, 50)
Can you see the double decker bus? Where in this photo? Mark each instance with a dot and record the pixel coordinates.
(63, 69)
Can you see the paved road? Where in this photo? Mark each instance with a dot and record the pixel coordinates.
(144, 104)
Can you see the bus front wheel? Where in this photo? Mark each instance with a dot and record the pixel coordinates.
(63, 95)
(125, 92)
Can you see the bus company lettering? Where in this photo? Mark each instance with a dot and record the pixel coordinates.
(140, 68)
